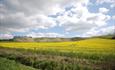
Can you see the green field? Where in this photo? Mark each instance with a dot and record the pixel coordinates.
(6, 64)
(89, 54)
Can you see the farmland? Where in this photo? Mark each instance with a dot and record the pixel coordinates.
(6, 64)
(89, 54)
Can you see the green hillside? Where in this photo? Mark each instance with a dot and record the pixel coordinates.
(105, 37)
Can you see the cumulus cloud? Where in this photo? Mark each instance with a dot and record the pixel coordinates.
(112, 5)
(103, 10)
(100, 31)
(105, 1)
(111, 2)
(14, 22)
(38, 6)
(6, 36)
(34, 35)
(19, 22)
(113, 17)
(25, 15)
(80, 20)
(22, 15)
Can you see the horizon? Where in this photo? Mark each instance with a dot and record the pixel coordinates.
(12, 37)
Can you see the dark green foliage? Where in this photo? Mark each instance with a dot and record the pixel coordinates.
(6, 64)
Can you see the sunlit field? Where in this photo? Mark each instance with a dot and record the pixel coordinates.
(87, 54)
(85, 46)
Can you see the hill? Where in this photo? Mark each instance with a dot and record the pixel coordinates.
(105, 36)
(56, 39)
(42, 39)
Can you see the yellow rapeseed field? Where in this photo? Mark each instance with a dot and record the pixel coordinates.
(90, 45)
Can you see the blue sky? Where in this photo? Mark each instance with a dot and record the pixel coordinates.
(56, 18)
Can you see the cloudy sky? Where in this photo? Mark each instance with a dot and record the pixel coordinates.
(56, 18)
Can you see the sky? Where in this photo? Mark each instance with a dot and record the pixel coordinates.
(56, 18)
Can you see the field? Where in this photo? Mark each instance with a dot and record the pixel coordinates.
(89, 54)
(6, 64)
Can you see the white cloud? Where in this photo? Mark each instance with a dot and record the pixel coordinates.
(19, 22)
(38, 6)
(34, 35)
(111, 2)
(23, 15)
(105, 1)
(103, 10)
(113, 17)
(6, 36)
(14, 22)
(112, 5)
(100, 31)
(43, 21)
(80, 20)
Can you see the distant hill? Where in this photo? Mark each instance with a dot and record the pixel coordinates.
(57, 39)
(23, 39)
(77, 38)
(42, 39)
(105, 37)
(51, 39)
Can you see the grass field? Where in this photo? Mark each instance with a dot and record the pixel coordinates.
(89, 54)
(6, 64)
